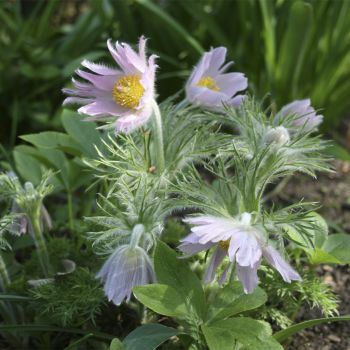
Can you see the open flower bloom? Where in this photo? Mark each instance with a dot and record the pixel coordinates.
(122, 96)
(125, 269)
(304, 115)
(209, 86)
(242, 243)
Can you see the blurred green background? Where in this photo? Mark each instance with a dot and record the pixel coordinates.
(287, 49)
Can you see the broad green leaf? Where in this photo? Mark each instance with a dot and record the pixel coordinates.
(338, 245)
(252, 334)
(53, 139)
(172, 271)
(282, 335)
(162, 299)
(319, 256)
(148, 337)
(83, 132)
(232, 300)
(27, 166)
(116, 344)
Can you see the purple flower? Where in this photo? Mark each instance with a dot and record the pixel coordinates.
(122, 96)
(210, 87)
(304, 115)
(242, 243)
(125, 269)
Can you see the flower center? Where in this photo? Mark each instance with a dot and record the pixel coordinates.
(224, 244)
(127, 91)
(209, 83)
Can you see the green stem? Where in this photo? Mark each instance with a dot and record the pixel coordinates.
(5, 279)
(40, 244)
(70, 210)
(158, 136)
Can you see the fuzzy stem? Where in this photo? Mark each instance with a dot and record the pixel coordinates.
(40, 244)
(158, 136)
(5, 279)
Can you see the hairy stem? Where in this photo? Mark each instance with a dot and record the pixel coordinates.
(40, 244)
(158, 136)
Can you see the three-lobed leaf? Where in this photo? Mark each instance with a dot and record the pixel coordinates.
(252, 334)
(174, 272)
(148, 337)
(231, 300)
(162, 299)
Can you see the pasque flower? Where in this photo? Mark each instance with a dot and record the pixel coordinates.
(209, 86)
(127, 267)
(304, 115)
(120, 96)
(241, 242)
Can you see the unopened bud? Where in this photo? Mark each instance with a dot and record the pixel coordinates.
(279, 136)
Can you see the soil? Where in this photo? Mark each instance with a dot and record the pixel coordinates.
(332, 191)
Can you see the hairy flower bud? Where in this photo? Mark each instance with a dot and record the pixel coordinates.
(279, 136)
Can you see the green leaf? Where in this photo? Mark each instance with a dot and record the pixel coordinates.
(116, 344)
(252, 334)
(27, 166)
(169, 21)
(9, 297)
(162, 299)
(53, 139)
(148, 337)
(172, 271)
(83, 132)
(73, 345)
(232, 300)
(292, 52)
(45, 328)
(338, 151)
(338, 246)
(282, 335)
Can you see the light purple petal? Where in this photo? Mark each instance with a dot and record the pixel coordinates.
(304, 115)
(131, 122)
(102, 82)
(248, 277)
(244, 248)
(223, 276)
(231, 83)
(100, 68)
(216, 60)
(103, 108)
(216, 259)
(275, 259)
(125, 269)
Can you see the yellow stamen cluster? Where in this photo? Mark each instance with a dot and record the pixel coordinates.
(224, 244)
(209, 83)
(127, 91)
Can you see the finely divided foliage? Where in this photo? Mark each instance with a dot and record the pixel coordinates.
(211, 158)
